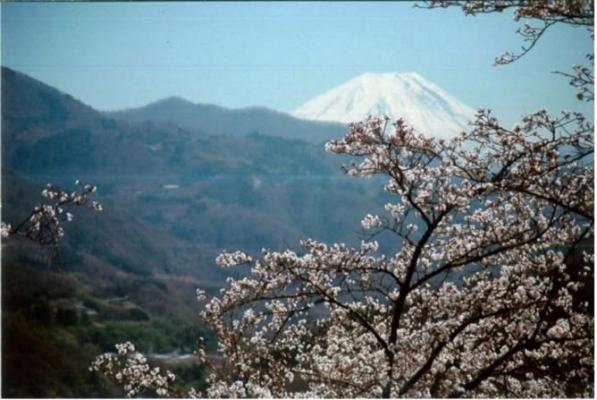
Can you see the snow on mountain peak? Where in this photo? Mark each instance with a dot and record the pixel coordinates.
(426, 106)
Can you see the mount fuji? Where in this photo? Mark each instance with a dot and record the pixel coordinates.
(423, 104)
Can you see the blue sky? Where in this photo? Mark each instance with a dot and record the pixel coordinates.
(279, 55)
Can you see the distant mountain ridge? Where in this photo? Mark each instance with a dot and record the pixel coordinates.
(216, 120)
(425, 105)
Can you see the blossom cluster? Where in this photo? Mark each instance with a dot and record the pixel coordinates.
(44, 223)
(130, 369)
(232, 259)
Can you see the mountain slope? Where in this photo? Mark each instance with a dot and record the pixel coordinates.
(173, 199)
(215, 120)
(423, 104)
(33, 109)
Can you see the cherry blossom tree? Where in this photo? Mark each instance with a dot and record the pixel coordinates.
(487, 293)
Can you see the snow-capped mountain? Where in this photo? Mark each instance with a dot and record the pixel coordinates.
(426, 106)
